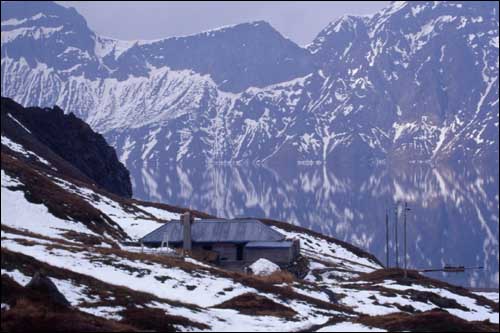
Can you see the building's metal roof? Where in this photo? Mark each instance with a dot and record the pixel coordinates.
(216, 231)
(269, 245)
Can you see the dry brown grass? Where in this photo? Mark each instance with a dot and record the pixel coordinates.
(174, 209)
(396, 274)
(168, 261)
(40, 189)
(28, 316)
(286, 293)
(263, 285)
(136, 313)
(121, 296)
(256, 305)
(430, 321)
(277, 277)
(31, 234)
(414, 277)
(151, 319)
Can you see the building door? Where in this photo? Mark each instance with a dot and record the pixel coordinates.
(239, 252)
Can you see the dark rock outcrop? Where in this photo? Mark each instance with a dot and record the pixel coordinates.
(299, 268)
(43, 285)
(31, 310)
(71, 139)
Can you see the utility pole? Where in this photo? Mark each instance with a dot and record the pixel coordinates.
(387, 238)
(396, 232)
(406, 264)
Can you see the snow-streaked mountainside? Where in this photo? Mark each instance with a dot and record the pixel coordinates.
(57, 222)
(417, 81)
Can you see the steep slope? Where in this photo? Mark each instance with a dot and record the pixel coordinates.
(60, 136)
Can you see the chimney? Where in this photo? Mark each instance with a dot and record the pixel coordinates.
(187, 220)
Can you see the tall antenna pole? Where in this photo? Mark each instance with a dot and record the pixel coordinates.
(387, 238)
(406, 264)
(396, 233)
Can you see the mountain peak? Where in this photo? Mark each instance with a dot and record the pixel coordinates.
(25, 12)
(260, 24)
(236, 57)
(56, 36)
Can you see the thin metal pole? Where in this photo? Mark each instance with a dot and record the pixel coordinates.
(396, 233)
(406, 263)
(387, 238)
(406, 207)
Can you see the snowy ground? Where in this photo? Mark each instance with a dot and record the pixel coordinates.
(494, 296)
(197, 287)
(475, 312)
(203, 289)
(349, 327)
(135, 220)
(17, 212)
(317, 248)
(16, 147)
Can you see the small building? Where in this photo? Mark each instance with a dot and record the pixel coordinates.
(234, 241)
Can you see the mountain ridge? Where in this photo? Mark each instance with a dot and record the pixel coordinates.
(96, 57)
(388, 86)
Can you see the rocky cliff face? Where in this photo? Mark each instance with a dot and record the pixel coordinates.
(55, 135)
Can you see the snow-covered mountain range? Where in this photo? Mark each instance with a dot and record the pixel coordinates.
(417, 81)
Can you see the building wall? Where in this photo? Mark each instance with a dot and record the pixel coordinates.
(276, 255)
(227, 252)
(295, 249)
